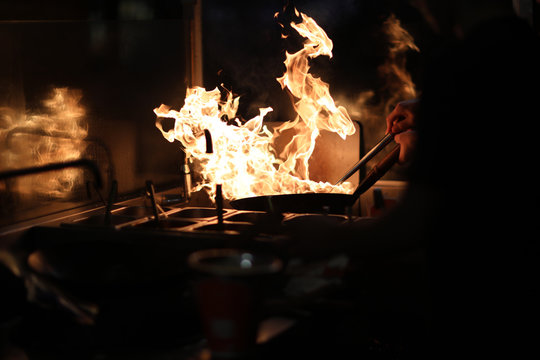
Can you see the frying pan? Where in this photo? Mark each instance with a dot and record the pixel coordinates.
(321, 202)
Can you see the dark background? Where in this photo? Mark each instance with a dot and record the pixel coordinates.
(244, 49)
(128, 57)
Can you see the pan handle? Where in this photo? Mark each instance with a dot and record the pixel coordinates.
(377, 172)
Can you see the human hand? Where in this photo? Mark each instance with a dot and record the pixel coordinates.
(403, 117)
(407, 141)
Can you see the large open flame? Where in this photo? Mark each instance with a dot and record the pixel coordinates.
(244, 159)
(315, 107)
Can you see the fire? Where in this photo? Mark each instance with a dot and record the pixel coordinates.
(244, 159)
(315, 107)
(241, 161)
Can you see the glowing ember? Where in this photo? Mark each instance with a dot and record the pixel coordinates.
(244, 160)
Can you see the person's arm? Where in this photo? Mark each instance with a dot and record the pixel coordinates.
(401, 229)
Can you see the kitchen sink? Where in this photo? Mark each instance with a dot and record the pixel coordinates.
(136, 211)
(195, 213)
(166, 224)
(250, 217)
(237, 227)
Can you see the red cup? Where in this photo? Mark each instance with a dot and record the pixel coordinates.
(228, 295)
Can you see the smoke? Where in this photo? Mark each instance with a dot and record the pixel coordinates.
(370, 107)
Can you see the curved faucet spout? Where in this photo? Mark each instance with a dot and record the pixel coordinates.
(86, 163)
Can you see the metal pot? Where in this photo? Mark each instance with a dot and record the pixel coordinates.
(318, 202)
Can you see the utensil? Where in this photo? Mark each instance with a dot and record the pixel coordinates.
(112, 198)
(370, 154)
(219, 204)
(152, 193)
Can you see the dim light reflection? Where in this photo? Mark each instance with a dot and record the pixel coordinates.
(36, 138)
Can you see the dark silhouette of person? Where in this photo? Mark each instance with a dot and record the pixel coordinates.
(472, 202)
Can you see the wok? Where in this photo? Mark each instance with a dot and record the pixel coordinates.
(318, 202)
